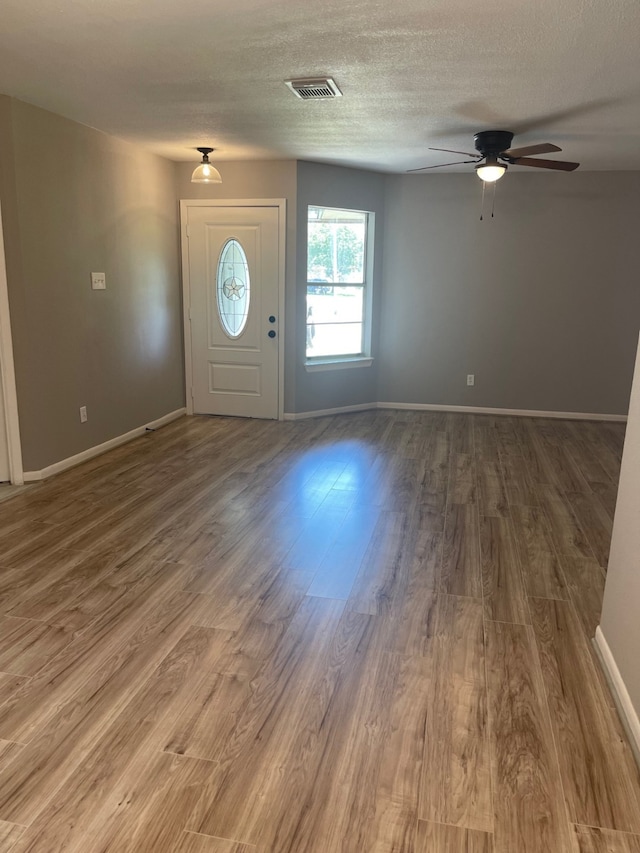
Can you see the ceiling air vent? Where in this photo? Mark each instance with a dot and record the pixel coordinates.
(314, 90)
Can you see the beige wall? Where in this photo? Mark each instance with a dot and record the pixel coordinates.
(75, 201)
(541, 303)
(620, 621)
(266, 179)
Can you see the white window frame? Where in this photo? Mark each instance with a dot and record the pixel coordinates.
(365, 358)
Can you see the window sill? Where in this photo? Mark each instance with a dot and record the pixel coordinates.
(337, 364)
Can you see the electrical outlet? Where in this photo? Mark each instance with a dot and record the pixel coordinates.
(83, 414)
(471, 379)
(98, 281)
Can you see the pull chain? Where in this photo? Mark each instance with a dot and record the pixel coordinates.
(482, 208)
(493, 200)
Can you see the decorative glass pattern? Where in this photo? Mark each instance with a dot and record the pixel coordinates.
(233, 289)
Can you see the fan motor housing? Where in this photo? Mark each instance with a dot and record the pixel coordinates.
(493, 141)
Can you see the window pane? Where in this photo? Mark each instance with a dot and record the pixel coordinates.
(341, 305)
(334, 339)
(334, 321)
(336, 245)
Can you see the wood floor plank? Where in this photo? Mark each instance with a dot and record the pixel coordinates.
(147, 809)
(207, 715)
(349, 766)
(57, 747)
(434, 470)
(204, 701)
(191, 842)
(541, 568)
(595, 521)
(416, 438)
(10, 833)
(584, 454)
(585, 583)
(566, 533)
(382, 574)
(522, 444)
(608, 455)
(29, 578)
(66, 823)
(340, 567)
(26, 646)
(455, 784)
(38, 700)
(315, 539)
(503, 590)
(461, 572)
(9, 685)
(519, 482)
(608, 495)
(492, 491)
(8, 752)
(594, 840)
(437, 838)
(49, 603)
(462, 479)
(395, 810)
(295, 686)
(560, 468)
(413, 618)
(460, 429)
(529, 810)
(600, 777)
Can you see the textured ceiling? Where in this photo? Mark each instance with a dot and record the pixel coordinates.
(173, 75)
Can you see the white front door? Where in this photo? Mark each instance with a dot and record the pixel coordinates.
(233, 293)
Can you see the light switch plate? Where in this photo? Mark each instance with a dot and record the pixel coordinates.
(98, 281)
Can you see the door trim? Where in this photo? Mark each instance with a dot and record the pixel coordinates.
(281, 205)
(8, 378)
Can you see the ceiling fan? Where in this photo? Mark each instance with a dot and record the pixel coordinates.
(494, 156)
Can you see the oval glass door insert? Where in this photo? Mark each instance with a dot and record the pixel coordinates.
(233, 288)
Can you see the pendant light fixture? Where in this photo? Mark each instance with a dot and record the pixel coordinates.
(205, 173)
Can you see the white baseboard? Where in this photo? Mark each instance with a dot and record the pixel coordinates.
(63, 464)
(520, 413)
(623, 701)
(472, 410)
(339, 410)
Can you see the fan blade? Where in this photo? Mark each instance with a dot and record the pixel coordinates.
(560, 165)
(440, 165)
(542, 148)
(451, 151)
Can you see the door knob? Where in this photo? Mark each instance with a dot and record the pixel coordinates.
(271, 334)
(272, 319)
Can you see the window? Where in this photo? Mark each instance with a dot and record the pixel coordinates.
(338, 284)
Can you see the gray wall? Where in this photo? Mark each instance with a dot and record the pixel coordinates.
(303, 184)
(334, 186)
(542, 303)
(268, 179)
(75, 201)
(620, 624)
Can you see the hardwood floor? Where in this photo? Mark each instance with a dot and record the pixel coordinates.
(365, 633)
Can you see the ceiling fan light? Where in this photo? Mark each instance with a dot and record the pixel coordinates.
(205, 173)
(491, 172)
